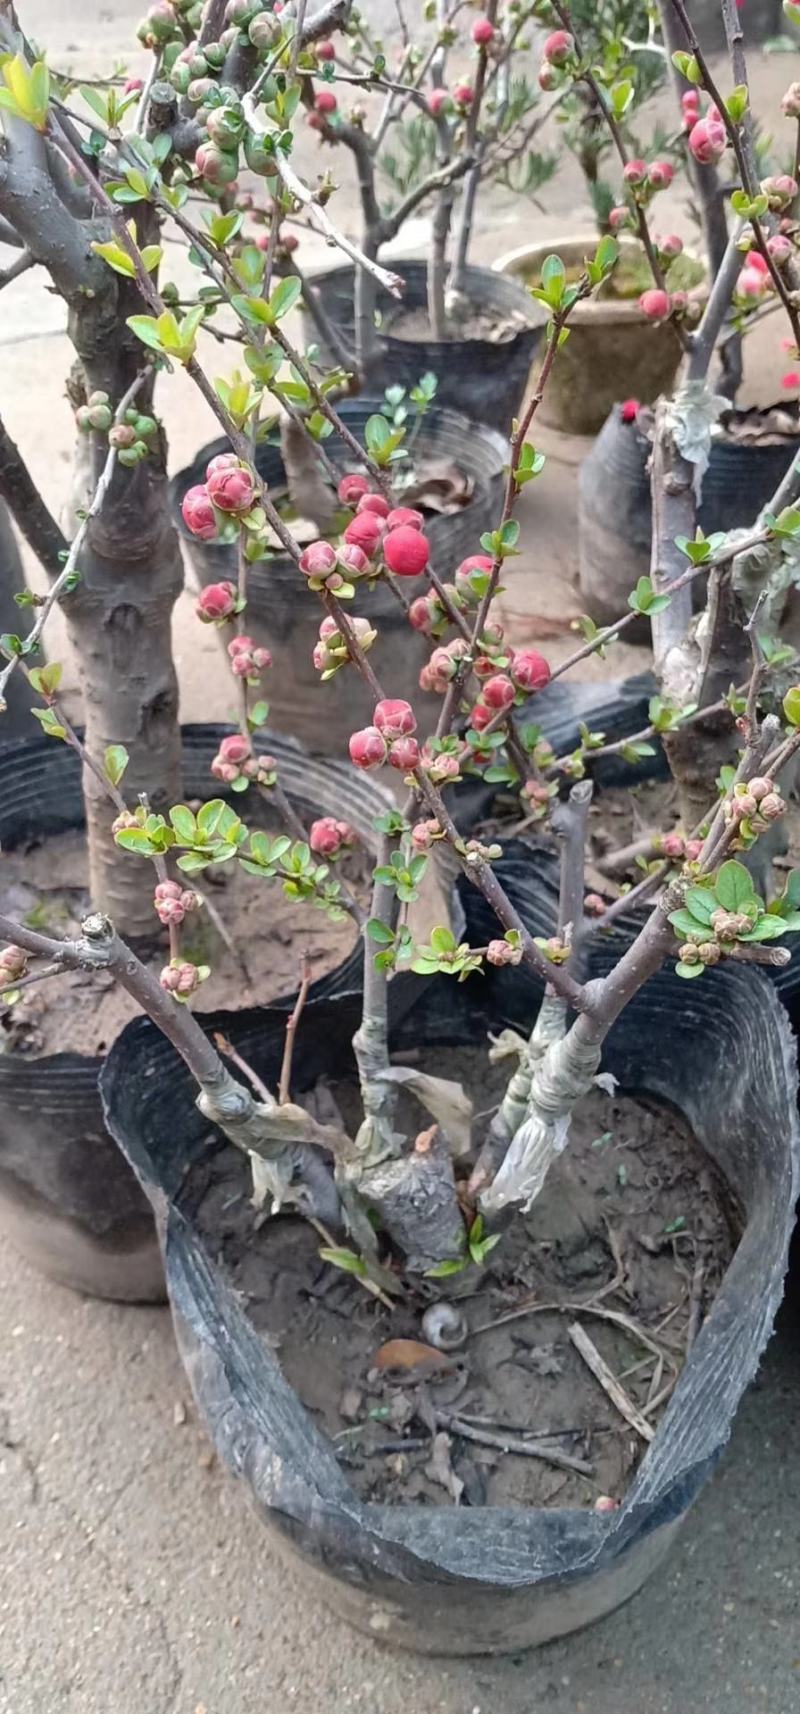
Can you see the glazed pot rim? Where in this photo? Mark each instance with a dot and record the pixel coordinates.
(617, 311)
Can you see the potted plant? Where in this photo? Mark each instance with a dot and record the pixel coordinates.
(420, 1219)
(423, 1214)
(455, 114)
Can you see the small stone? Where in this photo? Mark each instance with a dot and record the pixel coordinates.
(350, 1404)
(179, 1413)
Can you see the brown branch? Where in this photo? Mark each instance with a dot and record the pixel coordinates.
(24, 501)
(285, 1085)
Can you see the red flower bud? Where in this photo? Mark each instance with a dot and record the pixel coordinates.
(325, 50)
(463, 95)
(529, 670)
(394, 718)
(438, 102)
(498, 692)
(482, 31)
(629, 410)
(368, 748)
(216, 601)
(404, 754)
(325, 836)
(232, 490)
(374, 503)
(672, 846)
(635, 172)
(318, 560)
(692, 850)
(353, 559)
(655, 304)
(671, 246)
(404, 515)
(235, 748)
(198, 513)
(619, 217)
(406, 551)
(420, 616)
(661, 174)
(547, 76)
(481, 717)
(222, 461)
(325, 101)
(351, 488)
(558, 47)
(364, 531)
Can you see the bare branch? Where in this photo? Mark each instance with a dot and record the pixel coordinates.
(24, 501)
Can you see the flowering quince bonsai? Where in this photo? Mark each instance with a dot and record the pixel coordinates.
(229, 82)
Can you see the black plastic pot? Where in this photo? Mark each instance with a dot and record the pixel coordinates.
(615, 514)
(485, 379)
(285, 615)
(758, 20)
(447, 1581)
(68, 1201)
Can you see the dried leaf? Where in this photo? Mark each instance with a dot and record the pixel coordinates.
(407, 1355)
(444, 488)
(447, 1101)
(308, 490)
(440, 1467)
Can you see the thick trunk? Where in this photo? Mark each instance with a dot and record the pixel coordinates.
(119, 620)
(119, 616)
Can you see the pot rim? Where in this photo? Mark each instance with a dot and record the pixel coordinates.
(613, 312)
(535, 313)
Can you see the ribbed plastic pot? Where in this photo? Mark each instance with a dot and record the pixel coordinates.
(484, 378)
(68, 1201)
(613, 351)
(460, 1581)
(615, 511)
(285, 615)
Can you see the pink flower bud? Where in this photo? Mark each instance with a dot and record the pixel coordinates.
(692, 849)
(404, 754)
(232, 490)
(325, 50)
(353, 559)
(325, 837)
(482, 31)
(423, 833)
(217, 601)
(672, 846)
(442, 664)
(558, 47)
(529, 670)
(441, 768)
(498, 692)
(368, 748)
(481, 717)
(394, 718)
(671, 246)
(619, 217)
(604, 1503)
(351, 488)
(198, 513)
(475, 562)
(502, 952)
(772, 807)
(629, 410)
(661, 174)
(168, 890)
(750, 283)
(234, 748)
(655, 304)
(13, 963)
(374, 503)
(548, 76)
(406, 551)
(595, 904)
(404, 516)
(222, 461)
(781, 189)
(318, 560)
(790, 101)
(708, 140)
(438, 102)
(420, 616)
(463, 95)
(132, 86)
(218, 166)
(760, 787)
(780, 248)
(364, 531)
(635, 172)
(325, 101)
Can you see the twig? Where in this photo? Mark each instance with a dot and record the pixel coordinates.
(227, 1048)
(608, 1381)
(569, 823)
(695, 1304)
(510, 1443)
(284, 1087)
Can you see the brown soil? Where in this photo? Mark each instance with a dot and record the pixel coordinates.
(415, 327)
(45, 887)
(633, 1220)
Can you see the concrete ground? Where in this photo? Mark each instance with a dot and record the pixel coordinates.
(134, 1578)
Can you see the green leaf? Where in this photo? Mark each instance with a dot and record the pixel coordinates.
(701, 904)
(46, 679)
(688, 926)
(733, 889)
(116, 761)
(285, 296)
(183, 822)
(443, 1270)
(146, 328)
(347, 1260)
(443, 940)
(689, 971)
(737, 103)
(135, 839)
(116, 258)
(791, 705)
(766, 928)
(48, 720)
(621, 97)
(379, 932)
(554, 280)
